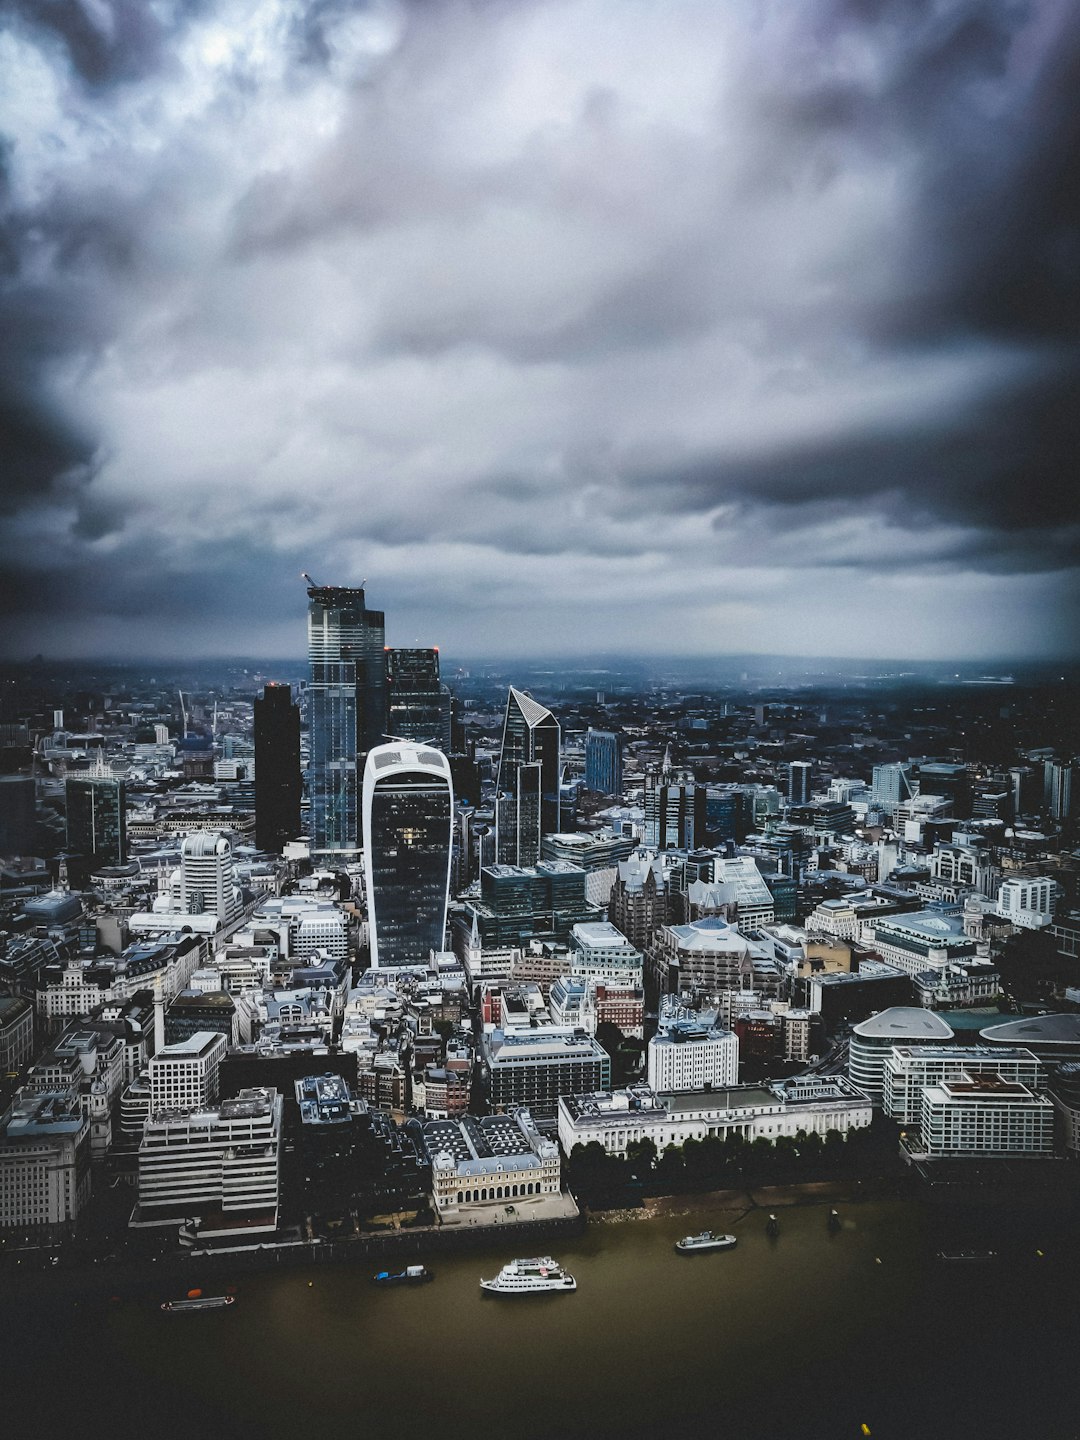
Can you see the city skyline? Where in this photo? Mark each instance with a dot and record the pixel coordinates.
(704, 331)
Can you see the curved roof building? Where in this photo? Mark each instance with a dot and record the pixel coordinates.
(408, 807)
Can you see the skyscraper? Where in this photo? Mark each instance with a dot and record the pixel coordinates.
(527, 805)
(799, 782)
(408, 805)
(207, 880)
(675, 811)
(347, 710)
(277, 767)
(603, 762)
(1058, 789)
(418, 705)
(97, 818)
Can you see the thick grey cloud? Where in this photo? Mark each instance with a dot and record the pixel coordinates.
(566, 323)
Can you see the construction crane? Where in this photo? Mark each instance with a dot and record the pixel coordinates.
(305, 576)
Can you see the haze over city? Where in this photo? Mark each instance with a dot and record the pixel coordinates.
(682, 329)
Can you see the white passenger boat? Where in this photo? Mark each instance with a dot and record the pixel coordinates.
(529, 1277)
(705, 1241)
(198, 1302)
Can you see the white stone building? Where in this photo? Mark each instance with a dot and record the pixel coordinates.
(984, 1114)
(44, 1164)
(692, 1053)
(184, 1076)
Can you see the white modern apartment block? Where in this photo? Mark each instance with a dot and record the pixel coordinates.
(872, 1043)
(985, 1115)
(219, 1165)
(185, 1075)
(44, 1164)
(600, 951)
(909, 1069)
(811, 1104)
(1028, 904)
(692, 1054)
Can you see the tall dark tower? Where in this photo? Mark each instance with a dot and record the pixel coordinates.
(97, 818)
(277, 768)
(347, 693)
(417, 703)
(527, 806)
(408, 805)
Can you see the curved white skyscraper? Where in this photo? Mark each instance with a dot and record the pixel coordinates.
(408, 808)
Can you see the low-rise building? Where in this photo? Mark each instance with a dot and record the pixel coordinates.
(809, 1104)
(499, 1158)
(909, 1069)
(973, 1115)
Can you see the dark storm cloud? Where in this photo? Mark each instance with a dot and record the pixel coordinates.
(1008, 470)
(657, 306)
(106, 42)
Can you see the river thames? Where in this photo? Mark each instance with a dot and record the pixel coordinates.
(811, 1334)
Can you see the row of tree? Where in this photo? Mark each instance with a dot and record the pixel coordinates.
(714, 1162)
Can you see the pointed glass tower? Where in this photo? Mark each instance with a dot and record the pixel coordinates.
(527, 805)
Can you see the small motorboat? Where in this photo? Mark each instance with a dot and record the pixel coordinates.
(411, 1275)
(705, 1241)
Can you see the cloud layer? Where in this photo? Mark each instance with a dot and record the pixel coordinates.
(568, 324)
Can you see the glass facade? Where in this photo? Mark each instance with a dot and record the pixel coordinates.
(97, 818)
(347, 693)
(603, 762)
(418, 705)
(528, 781)
(408, 816)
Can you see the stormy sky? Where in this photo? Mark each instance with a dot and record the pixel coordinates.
(568, 324)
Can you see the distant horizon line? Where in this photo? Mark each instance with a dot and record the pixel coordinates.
(995, 662)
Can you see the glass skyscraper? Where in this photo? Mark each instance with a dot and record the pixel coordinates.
(97, 818)
(418, 704)
(603, 762)
(347, 715)
(527, 804)
(408, 820)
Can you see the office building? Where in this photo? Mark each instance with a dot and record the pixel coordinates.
(184, 1076)
(1058, 789)
(1028, 903)
(985, 1115)
(534, 1067)
(799, 782)
(417, 703)
(812, 1104)
(408, 820)
(207, 879)
(16, 1032)
(18, 815)
(219, 1167)
(97, 818)
(891, 785)
(691, 1052)
(44, 1164)
(278, 784)
(527, 804)
(909, 1069)
(603, 762)
(675, 809)
(522, 903)
(347, 714)
(873, 1040)
(600, 952)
